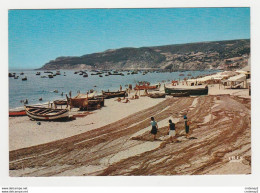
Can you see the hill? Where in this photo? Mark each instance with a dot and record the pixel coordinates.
(192, 56)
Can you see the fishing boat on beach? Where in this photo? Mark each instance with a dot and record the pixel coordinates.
(109, 95)
(44, 113)
(17, 113)
(145, 87)
(95, 103)
(181, 94)
(189, 90)
(80, 101)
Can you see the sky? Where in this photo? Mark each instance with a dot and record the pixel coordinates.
(38, 36)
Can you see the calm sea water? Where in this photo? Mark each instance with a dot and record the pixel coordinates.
(36, 87)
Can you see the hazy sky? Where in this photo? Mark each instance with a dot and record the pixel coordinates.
(38, 36)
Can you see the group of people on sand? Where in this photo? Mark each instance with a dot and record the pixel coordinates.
(171, 129)
(124, 100)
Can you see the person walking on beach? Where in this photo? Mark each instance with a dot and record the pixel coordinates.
(187, 126)
(154, 128)
(171, 131)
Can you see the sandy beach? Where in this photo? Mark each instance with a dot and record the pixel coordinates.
(116, 139)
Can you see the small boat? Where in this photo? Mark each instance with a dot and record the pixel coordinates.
(85, 75)
(181, 94)
(145, 87)
(50, 76)
(190, 91)
(57, 72)
(157, 95)
(97, 73)
(21, 73)
(11, 75)
(38, 73)
(25, 78)
(80, 101)
(113, 94)
(94, 104)
(43, 113)
(117, 74)
(43, 76)
(181, 74)
(174, 83)
(16, 77)
(60, 102)
(100, 75)
(17, 113)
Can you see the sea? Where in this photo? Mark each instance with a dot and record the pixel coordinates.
(36, 87)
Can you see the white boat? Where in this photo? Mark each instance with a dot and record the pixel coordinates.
(43, 113)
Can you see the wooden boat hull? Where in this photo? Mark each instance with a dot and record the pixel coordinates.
(17, 113)
(45, 114)
(181, 94)
(195, 91)
(60, 102)
(109, 95)
(78, 102)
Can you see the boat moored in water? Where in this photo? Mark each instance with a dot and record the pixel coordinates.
(17, 113)
(157, 95)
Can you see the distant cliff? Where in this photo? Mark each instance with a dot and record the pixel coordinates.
(192, 56)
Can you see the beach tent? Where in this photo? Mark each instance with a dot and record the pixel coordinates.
(237, 80)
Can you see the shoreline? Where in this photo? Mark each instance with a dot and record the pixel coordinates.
(35, 101)
(112, 107)
(119, 135)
